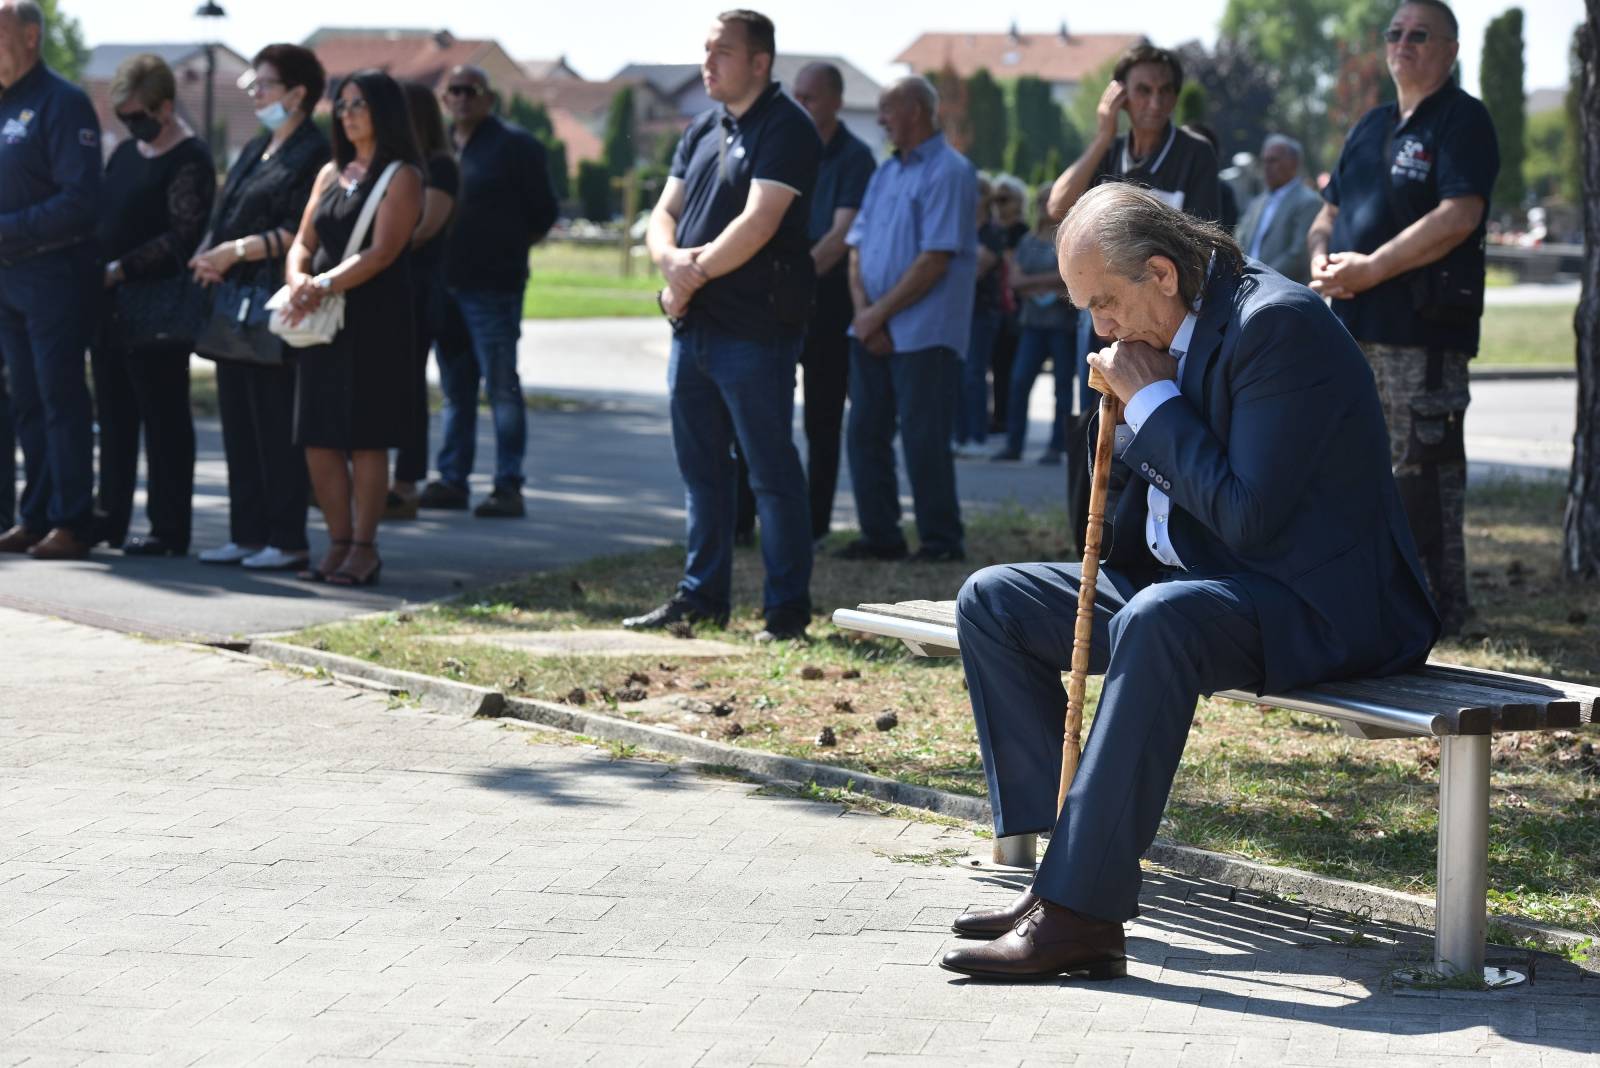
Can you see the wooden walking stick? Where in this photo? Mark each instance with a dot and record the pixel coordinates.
(1071, 742)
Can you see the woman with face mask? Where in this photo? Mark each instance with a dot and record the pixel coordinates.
(257, 213)
(155, 200)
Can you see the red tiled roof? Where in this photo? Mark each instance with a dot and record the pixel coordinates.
(581, 142)
(1051, 57)
(408, 58)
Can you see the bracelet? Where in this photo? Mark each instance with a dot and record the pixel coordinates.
(239, 249)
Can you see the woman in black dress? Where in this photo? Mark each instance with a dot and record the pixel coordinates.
(353, 397)
(153, 209)
(257, 211)
(435, 311)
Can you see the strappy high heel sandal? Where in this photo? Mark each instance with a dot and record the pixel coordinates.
(316, 574)
(342, 577)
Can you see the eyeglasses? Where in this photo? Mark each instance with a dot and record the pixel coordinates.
(468, 91)
(262, 85)
(344, 107)
(1395, 35)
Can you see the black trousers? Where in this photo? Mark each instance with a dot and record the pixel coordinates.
(1001, 357)
(146, 392)
(268, 485)
(8, 456)
(825, 379)
(411, 459)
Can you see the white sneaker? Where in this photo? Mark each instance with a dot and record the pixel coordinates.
(230, 553)
(271, 559)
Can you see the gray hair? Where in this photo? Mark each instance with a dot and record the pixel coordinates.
(1287, 142)
(1128, 225)
(1015, 186)
(919, 89)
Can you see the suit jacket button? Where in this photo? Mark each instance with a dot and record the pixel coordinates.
(1144, 468)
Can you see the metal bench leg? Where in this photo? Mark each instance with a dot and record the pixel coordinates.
(1017, 851)
(1461, 906)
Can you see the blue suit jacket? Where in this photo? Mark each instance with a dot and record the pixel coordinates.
(1276, 459)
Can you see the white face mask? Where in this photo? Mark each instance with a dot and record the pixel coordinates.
(273, 115)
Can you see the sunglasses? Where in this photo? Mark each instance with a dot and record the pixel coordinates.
(127, 118)
(1415, 37)
(345, 107)
(468, 91)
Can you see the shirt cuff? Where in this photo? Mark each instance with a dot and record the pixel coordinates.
(1148, 399)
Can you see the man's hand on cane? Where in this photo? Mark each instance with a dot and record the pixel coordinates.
(1129, 366)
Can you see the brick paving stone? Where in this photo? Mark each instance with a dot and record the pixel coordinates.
(207, 861)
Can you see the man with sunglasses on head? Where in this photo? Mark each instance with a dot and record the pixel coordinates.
(506, 206)
(49, 275)
(1398, 249)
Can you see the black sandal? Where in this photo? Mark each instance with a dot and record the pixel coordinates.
(342, 577)
(316, 574)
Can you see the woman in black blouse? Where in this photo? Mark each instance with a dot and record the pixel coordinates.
(435, 313)
(257, 214)
(154, 202)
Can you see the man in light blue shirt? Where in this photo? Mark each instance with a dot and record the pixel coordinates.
(913, 273)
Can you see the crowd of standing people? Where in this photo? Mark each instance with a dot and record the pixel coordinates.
(928, 294)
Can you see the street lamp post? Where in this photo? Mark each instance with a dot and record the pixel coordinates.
(211, 10)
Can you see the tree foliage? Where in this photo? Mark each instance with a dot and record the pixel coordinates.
(1500, 74)
(594, 191)
(63, 48)
(621, 147)
(1038, 127)
(952, 89)
(1238, 94)
(987, 121)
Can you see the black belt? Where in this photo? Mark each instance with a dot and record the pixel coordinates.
(35, 251)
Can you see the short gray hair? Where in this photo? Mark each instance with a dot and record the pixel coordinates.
(919, 89)
(1015, 186)
(1287, 142)
(1129, 226)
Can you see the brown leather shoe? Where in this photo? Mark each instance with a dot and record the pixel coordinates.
(992, 923)
(1047, 942)
(60, 544)
(19, 539)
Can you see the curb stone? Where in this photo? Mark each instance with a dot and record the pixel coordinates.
(462, 698)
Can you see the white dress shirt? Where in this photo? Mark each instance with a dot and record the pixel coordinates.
(1157, 528)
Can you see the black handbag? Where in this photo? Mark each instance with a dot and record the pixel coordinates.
(158, 312)
(236, 328)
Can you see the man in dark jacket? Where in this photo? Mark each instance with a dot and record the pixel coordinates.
(49, 198)
(506, 206)
(1258, 542)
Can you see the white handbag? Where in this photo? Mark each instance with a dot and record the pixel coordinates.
(321, 326)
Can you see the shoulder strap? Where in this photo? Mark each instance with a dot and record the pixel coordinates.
(369, 210)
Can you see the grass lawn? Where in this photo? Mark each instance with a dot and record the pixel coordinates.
(1273, 786)
(568, 281)
(1525, 335)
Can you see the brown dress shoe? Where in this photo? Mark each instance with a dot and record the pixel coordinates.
(19, 539)
(1047, 942)
(60, 544)
(992, 923)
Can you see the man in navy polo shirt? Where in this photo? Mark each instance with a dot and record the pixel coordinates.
(913, 277)
(1398, 247)
(49, 277)
(729, 234)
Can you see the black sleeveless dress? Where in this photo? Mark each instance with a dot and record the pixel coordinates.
(356, 392)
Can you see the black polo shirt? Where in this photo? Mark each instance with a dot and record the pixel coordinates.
(842, 178)
(1182, 171)
(1446, 149)
(49, 164)
(505, 207)
(717, 159)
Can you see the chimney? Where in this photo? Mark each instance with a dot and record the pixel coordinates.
(1065, 36)
(443, 39)
(1016, 37)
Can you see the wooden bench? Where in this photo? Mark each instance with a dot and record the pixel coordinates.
(1462, 707)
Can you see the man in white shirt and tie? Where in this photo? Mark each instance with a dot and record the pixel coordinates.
(1275, 554)
(1274, 227)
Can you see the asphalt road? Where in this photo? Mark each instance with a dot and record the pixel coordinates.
(601, 480)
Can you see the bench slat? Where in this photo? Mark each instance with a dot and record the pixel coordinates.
(1464, 700)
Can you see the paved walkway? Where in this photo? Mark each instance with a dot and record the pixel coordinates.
(205, 861)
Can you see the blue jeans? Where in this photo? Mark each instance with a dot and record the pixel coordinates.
(494, 323)
(1016, 628)
(972, 415)
(911, 389)
(1037, 345)
(725, 388)
(1088, 399)
(44, 331)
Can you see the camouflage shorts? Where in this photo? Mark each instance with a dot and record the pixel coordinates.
(1427, 448)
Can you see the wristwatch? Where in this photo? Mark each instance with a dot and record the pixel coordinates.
(238, 248)
(323, 282)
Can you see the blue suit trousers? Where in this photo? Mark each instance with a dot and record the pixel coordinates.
(1160, 648)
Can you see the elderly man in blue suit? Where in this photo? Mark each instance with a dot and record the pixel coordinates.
(1257, 542)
